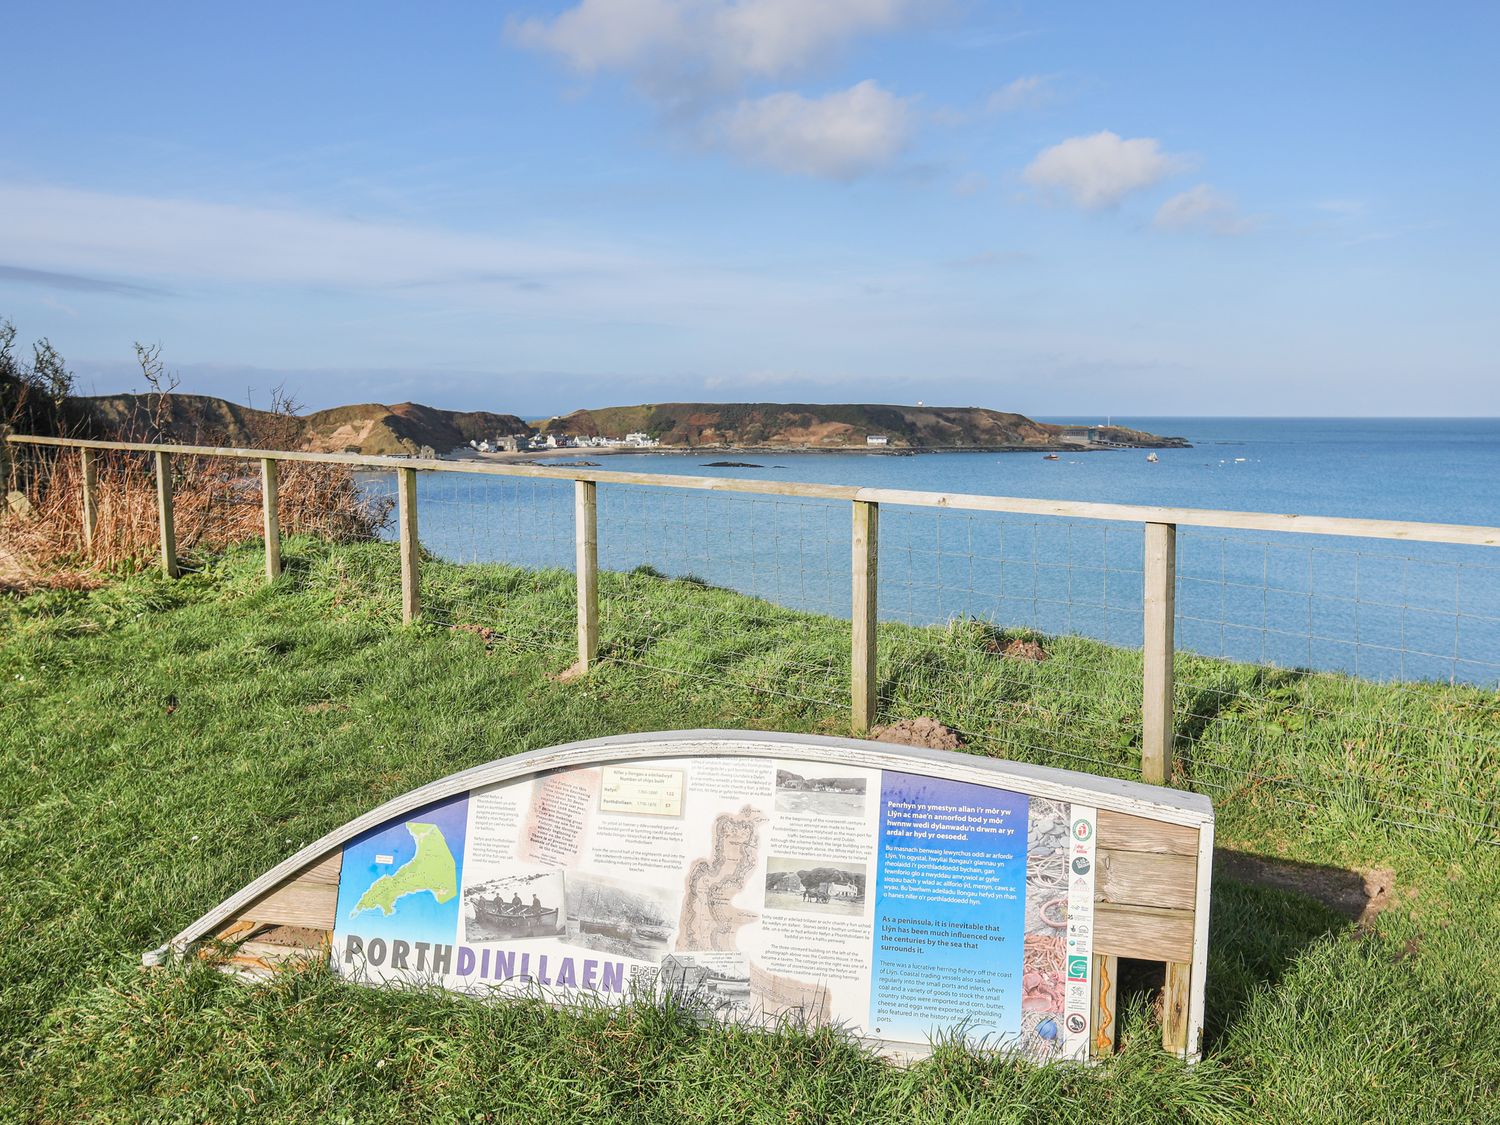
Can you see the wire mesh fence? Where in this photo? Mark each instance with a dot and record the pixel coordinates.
(1356, 680)
(739, 587)
(1358, 677)
(993, 624)
(513, 537)
(216, 502)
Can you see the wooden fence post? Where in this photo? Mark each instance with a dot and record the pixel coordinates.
(90, 497)
(164, 514)
(411, 576)
(1175, 995)
(586, 544)
(270, 491)
(865, 567)
(1160, 611)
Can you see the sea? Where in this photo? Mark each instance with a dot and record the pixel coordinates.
(1378, 609)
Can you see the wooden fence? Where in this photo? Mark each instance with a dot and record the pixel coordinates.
(1159, 526)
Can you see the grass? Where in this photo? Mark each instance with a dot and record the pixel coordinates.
(161, 744)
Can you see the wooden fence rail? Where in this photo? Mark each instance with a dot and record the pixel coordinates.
(1159, 528)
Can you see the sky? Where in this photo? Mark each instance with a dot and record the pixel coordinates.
(1059, 209)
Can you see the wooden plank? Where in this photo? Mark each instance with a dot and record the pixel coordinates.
(1400, 530)
(865, 566)
(310, 899)
(1197, 991)
(269, 495)
(586, 549)
(1157, 728)
(1406, 530)
(164, 516)
(482, 468)
(1122, 832)
(1174, 1008)
(1146, 879)
(89, 498)
(1143, 932)
(1103, 1022)
(410, 545)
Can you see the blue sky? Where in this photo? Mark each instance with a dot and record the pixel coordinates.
(1063, 208)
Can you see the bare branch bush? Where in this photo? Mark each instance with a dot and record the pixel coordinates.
(216, 500)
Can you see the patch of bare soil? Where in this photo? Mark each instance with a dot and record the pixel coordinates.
(1360, 896)
(483, 632)
(567, 675)
(922, 731)
(1017, 648)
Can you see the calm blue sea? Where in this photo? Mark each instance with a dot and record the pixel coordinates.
(1383, 610)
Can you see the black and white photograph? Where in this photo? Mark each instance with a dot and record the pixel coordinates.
(527, 904)
(620, 916)
(816, 885)
(711, 981)
(820, 793)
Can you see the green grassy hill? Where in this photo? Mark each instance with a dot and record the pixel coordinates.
(163, 743)
(369, 428)
(834, 426)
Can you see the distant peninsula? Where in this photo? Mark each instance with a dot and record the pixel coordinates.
(782, 426)
(411, 429)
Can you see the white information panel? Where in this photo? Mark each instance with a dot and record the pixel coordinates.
(900, 905)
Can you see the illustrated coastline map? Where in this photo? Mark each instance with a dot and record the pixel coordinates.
(432, 870)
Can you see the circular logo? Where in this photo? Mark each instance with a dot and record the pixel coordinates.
(1082, 830)
(1081, 865)
(1077, 1024)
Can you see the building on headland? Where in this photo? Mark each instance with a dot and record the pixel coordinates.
(877, 439)
(1079, 435)
(508, 443)
(558, 440)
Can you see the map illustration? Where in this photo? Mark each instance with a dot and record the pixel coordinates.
(432, 870)
(710, 920)
(403, 879)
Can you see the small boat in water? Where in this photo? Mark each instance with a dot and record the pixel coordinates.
(1153, 458)
(1050, 457)
(505, 920)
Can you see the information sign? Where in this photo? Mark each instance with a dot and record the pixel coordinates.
(903, 894)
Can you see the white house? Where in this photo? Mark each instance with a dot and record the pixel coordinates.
(877, 439)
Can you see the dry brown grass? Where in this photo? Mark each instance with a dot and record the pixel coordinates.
(216, 503)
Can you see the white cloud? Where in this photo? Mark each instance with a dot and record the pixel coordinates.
(971, 183)
(668, 44)
(839, 136)
(1099, 170)
(185, 251)
(1202, 208)
(1020, 94)
(68, 231)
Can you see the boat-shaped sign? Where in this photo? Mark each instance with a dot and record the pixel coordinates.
(903, 893)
